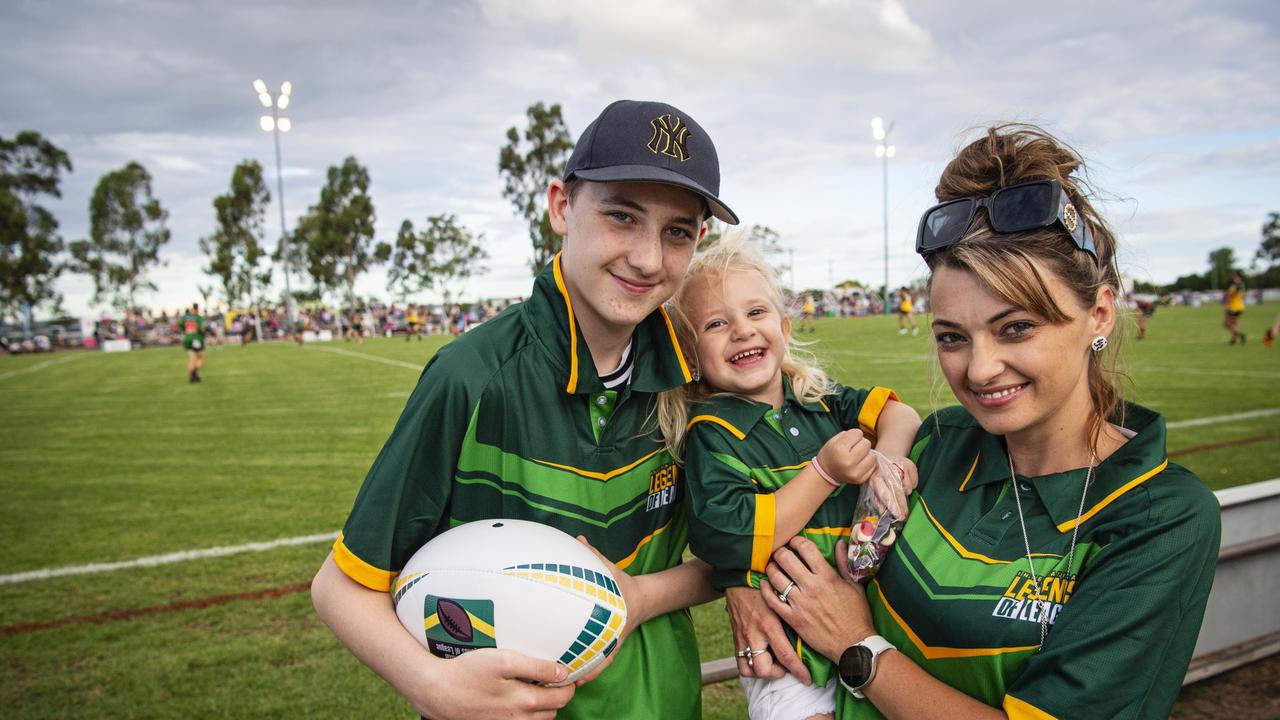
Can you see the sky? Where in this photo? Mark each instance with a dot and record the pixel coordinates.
(1173, 104)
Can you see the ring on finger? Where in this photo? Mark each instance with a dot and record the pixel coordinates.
(786, 591)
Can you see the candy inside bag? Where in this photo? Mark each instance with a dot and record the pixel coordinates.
(881, 513)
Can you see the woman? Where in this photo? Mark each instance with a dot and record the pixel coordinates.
(1054, 563)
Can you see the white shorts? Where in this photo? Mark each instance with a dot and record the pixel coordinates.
(786, 698)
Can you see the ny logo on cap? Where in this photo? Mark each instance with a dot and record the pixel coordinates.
(669, 138)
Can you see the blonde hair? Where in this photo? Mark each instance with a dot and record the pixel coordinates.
(1010, 264)
(730, 254)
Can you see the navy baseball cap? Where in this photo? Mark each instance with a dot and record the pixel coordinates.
(636, 141)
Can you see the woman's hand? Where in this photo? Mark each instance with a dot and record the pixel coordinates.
(894, 479)
(828, 611)
(755, 626)
(910, 474)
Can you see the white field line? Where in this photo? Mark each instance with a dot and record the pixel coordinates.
(364, 356)
(1226, 372)
(1196, 422)
(166, 559)
(41, 366)
(184, 555)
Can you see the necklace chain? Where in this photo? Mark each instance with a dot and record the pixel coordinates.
(1026, 541)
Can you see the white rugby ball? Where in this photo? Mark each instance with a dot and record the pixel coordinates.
(511, 584)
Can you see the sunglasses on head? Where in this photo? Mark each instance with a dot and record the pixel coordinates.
(1017, 208)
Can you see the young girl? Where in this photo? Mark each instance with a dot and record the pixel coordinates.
(769, 445)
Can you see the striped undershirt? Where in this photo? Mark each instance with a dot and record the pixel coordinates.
(622, 374)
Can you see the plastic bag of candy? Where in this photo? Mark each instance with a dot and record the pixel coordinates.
(878, 520)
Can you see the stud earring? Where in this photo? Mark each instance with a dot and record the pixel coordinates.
(696, 376)
(1099, 343)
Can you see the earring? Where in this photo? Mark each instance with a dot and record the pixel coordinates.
(1099, 343)
(696, 376)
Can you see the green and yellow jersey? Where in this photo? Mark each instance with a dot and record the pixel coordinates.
(192, 331)
(512, 421)
(1235, 299)
(956, 596)
(739, 452)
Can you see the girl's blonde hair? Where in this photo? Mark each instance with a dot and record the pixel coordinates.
(729, 254)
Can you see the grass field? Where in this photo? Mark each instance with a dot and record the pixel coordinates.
(111, 457)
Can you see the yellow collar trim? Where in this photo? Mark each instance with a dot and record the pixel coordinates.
(1117, 493)
(719, 421)
(675, 345)
(972, 467)
(572, 387)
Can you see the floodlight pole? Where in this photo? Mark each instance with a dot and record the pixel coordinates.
(284, 233)
(276, 103)
(886, 234)
(884, 151)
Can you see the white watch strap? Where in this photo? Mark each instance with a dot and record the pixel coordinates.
(877, 645)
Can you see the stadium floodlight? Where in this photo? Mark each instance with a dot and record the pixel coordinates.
(275, 124)
(884, 151)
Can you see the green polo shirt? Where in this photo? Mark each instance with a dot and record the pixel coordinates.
(739, 453)
(192, 331)
(955, 595)
(506, 422)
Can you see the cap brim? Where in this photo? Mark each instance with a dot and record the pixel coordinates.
(649, 173)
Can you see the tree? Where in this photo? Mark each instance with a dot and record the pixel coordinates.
(299, 261)
(234, 249)
(1192, 282)
(339, 232)
(439, 257)
(1269, 250)
(30, 166)
(1222, 264)
(205, 292)
(126, 230)
(527, 165)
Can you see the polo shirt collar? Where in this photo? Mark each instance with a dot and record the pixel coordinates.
(659, 362)
(1135, 462)
(743, 414)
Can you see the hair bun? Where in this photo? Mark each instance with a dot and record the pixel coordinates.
(1006, 155)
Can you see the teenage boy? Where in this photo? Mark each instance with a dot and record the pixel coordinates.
(545, 413)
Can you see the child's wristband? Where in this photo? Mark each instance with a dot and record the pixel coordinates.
(823, 473)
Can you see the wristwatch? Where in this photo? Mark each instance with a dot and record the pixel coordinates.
(858, 663)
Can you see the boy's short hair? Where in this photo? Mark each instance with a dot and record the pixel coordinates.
(635, 141)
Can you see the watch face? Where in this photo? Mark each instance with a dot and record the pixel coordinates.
(855, 666)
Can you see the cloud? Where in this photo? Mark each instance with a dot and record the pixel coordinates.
(1259, 160)
(1161, 244)
(733, 34)
(1173, 102)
